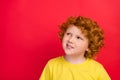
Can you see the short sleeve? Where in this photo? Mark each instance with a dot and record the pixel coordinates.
(46, 73)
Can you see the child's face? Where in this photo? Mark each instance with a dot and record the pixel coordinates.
(74, 42)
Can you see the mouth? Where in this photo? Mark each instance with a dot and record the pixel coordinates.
(68, 46)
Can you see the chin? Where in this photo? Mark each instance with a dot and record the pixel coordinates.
(68, 53)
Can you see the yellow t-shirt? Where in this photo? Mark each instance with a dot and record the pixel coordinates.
(59, 69)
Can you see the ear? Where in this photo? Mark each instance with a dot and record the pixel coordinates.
(87, 49)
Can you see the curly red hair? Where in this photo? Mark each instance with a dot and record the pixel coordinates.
(90, 29)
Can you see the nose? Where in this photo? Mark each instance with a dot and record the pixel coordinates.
(71, 39)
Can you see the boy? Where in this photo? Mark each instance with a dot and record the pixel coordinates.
(81, 39)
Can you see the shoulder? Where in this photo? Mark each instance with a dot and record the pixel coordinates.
(55, 61)
(95, 64)
(98, 69)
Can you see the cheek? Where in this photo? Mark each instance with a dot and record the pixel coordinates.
(63, 43)
(64, 39)
(82, 45)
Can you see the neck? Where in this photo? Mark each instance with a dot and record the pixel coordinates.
(75, 59)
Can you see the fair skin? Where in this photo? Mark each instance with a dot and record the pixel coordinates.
(74, 45)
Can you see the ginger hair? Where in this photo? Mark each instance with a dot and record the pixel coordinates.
(90, 29)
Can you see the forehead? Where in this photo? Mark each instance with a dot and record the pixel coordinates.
(74, 29)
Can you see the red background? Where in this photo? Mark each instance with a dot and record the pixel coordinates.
(28, 34)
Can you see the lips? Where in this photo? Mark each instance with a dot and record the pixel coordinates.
(69, 46)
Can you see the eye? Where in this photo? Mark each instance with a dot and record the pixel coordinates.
(79, 38)
(68, 33)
